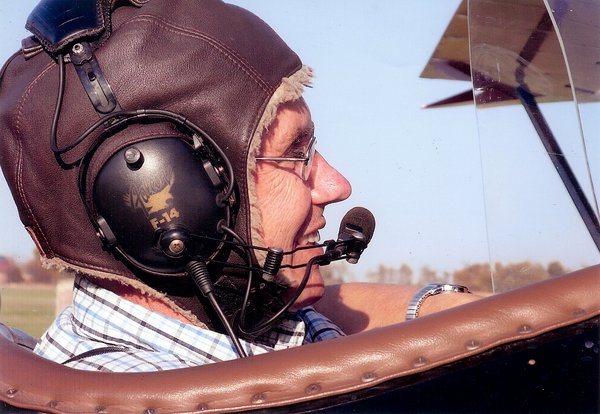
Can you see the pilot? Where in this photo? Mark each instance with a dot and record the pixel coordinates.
(162, 152)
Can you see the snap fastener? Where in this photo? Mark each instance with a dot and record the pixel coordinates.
(52, 404)
(472, 345)
(368, 376)
(258, 398)
(523, 329)
(312, 389)
(11, 392)
(419, 362)
(77, 48)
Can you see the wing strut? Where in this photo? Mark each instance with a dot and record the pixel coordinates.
(545, 134)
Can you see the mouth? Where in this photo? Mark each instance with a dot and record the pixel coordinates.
(310, 238)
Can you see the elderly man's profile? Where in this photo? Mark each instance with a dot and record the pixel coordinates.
(183, 186)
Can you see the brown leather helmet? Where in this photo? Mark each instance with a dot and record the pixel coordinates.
(162, 108)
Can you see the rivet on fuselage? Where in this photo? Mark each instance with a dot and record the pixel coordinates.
(420, 361)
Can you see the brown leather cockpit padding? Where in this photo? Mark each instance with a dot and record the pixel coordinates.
(309, 372)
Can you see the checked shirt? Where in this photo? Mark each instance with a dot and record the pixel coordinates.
(120, 336)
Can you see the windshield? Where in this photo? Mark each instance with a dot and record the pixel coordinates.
(534, 90)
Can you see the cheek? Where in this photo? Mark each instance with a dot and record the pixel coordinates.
(283, 202)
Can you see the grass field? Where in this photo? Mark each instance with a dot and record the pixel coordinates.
(26, 307)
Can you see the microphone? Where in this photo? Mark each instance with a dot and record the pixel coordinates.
(356, 229)
(355, 233)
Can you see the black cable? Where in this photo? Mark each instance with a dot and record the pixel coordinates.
(118, 119)
(260, 269)
(241, 325)
(290, 302)
(240, 243)
(199, 274)
(58, 106)
(250, 272)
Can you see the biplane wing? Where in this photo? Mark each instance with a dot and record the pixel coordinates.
(529, 52)
(515, 41)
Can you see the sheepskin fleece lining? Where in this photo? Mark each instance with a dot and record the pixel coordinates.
(290, 89)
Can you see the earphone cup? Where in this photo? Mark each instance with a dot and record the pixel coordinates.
(153, 187)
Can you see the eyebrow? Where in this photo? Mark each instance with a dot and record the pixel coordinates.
(304, 133)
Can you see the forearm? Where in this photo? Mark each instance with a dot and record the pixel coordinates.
(357, 307)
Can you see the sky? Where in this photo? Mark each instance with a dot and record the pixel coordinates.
(438, 193)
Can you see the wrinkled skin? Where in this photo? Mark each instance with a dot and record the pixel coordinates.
(290, 208)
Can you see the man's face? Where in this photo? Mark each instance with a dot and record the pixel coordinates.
(291, 209)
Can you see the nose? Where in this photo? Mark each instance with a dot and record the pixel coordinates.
(328, 185)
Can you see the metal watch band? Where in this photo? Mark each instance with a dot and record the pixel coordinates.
(431, 289)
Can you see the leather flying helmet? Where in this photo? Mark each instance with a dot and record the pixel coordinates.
(155, 110)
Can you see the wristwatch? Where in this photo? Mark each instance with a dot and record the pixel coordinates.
(430, 290)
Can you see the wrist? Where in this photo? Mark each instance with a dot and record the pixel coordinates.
(435, 297)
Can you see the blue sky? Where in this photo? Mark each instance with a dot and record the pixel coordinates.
(419, 171)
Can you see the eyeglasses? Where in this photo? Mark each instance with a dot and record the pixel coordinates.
(306, 158)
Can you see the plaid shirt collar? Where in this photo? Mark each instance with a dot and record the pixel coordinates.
(118, 335)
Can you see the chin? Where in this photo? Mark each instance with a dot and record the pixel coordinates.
(314, 290)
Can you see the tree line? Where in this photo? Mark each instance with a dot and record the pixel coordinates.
(480, 277)
(30, 271)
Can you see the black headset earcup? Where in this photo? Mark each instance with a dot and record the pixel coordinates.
(156, 192)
